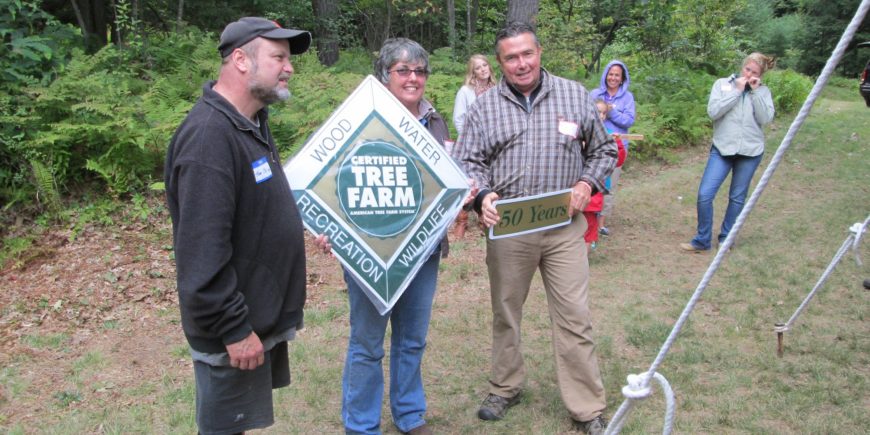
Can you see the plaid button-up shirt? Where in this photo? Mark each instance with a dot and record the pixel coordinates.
(517, 152)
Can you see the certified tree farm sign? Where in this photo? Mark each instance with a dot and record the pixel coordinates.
(380, 187)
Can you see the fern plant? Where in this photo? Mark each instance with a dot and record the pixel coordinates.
(91, 123)
(46, 186)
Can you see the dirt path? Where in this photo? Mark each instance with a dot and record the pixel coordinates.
(86, 321)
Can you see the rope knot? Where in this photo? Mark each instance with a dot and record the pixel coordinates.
(635, 389)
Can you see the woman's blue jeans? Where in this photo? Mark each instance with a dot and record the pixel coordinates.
(363, 379)
(718, 166)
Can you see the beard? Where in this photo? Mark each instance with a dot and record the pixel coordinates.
(268, 95)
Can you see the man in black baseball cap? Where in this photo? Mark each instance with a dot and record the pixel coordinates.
(237, 234)
(239, 33)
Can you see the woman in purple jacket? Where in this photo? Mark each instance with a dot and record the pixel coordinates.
(620, 116)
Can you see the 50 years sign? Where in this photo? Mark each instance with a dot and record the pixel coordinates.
(531, 213)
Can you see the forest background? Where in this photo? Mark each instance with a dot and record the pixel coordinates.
(92, 90)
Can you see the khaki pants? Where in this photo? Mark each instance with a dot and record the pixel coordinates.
(560, 254)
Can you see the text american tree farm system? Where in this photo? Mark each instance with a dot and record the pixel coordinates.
(376, 182)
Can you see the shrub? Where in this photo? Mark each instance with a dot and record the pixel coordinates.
(34, 50)
(89, 122)
(316, 94)
(671, 107)
(789, 89)
(183, 63)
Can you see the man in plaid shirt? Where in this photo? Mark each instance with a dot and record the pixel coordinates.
(537, 133)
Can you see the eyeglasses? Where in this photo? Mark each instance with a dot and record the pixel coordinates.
(405, 72)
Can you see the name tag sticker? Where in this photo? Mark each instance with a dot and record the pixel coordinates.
(568, 128)
(726, 87)
(262, 171)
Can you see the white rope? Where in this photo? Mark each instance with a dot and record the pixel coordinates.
(796, 124)
(857, 230)
(635, 390)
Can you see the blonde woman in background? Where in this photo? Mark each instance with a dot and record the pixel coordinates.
(478, 79)
(740, 106)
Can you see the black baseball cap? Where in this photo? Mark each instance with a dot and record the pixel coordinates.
(239, 33)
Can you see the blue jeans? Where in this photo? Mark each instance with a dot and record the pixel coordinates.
(718, 167)
(363, 379)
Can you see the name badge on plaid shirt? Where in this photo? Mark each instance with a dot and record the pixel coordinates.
(568, 128)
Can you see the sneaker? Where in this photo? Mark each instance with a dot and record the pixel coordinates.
(494, 407)
(604, 231)
(596, 426)
(689, 247)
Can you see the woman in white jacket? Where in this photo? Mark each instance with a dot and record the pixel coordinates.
(478, 79)
(739, 105)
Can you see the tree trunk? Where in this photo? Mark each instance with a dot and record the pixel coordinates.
(451, 23)
(91, 15)
(326, 32)
(595, 63)
(377, 24)
(179, 16)
(79, 17)
(522, 10)
(472, 6)
(116, 29)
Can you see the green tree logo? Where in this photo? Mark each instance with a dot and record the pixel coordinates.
(379, 189)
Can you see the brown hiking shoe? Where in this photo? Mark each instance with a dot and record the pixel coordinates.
(494, 407)
(690, 247)
(596, 426)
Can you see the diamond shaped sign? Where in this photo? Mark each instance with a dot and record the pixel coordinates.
(375, 181)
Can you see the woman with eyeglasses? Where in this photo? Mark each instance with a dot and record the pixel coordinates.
(403, 67)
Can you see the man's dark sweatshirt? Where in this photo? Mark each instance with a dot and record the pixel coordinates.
(239, 246)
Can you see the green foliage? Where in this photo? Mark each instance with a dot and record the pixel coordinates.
(106, 118)
(316, 94)
(567, 35)
(699, 33)
(14, 250)
(34, 45)
(355, 60)
(183, 63)
(789, 89)
(446, 80)
(67, 397)
(15, 185)
(33, 51)
(109, 117)
(46, 186)
(823, 26)
(671, 107)
(762, 30)
(91, 123)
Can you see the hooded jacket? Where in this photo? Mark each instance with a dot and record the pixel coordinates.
(621, 117)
